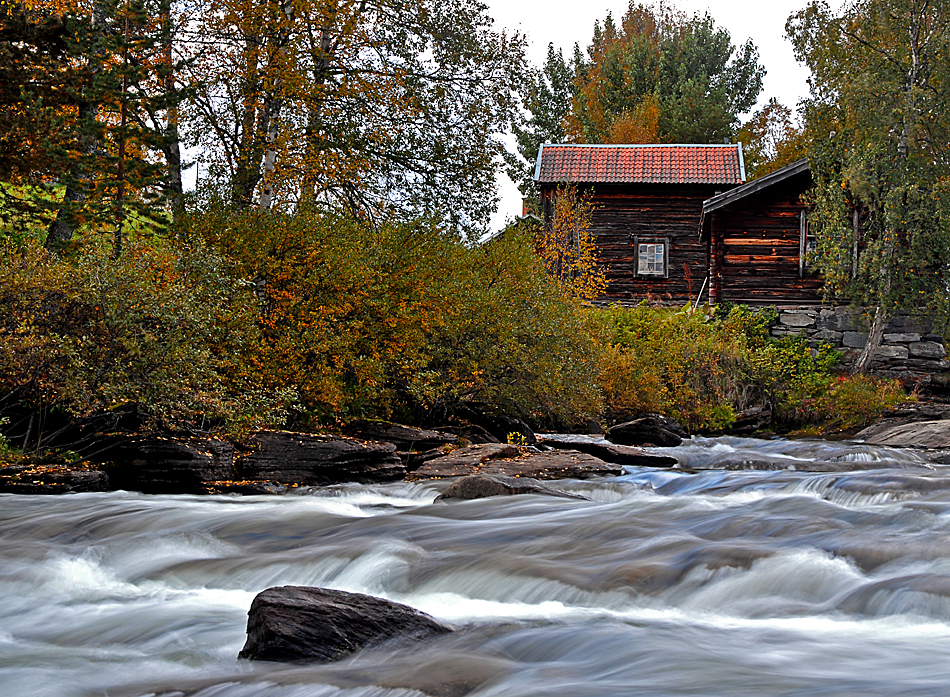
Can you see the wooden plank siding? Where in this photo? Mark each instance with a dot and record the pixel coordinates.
(760, 237)
(628, 211)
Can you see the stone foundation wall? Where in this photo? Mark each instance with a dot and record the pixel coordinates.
(910, 350)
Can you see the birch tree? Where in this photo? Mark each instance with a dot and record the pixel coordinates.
(879, 144)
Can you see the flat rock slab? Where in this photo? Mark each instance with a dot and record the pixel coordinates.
(297, 624)
(37, 479)
(609, 452)
(301, 458)
(511, 461)
(920, 434)
(480, 486)
(405, 438)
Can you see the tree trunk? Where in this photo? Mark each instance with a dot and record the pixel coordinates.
(171, 143)
(863, 364)
(60, 232)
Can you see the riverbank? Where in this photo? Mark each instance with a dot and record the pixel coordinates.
(373, 452)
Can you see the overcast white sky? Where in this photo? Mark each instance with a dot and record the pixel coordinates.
(565, 23)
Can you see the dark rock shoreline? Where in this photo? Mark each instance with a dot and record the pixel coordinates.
(275, 462)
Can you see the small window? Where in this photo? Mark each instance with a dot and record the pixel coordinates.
(651, 257)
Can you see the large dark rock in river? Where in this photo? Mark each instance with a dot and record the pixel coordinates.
(920, 434)
(301, 458)
(39, 479)
(651, 429)
(510, 461)
(170, 465)
(316, 625)
(405, 438)
(481, 486)
(609, 452)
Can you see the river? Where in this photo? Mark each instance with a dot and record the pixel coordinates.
(697, 582)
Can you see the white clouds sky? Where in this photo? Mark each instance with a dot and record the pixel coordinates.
(563, 23)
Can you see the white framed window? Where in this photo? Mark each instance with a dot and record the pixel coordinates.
(652, 256)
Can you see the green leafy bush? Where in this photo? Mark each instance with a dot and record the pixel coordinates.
(703, 370)
(160, 333)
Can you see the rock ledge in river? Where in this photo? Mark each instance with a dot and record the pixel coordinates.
(609, 452)
(510, 461)
(297, 624)
(650, 429)
(480, 486)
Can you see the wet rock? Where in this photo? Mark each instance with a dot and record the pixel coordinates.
(515, 462)
(920, 434)
(302, 458)
(473, 433)
(480, 486)
(298, 624)
(415, 460)
(506, 428)
(405, 438)
(37, 479)
(651, 429)
(465, 460)
(609, 452)
(170, 465)
(751, 420)
(248, 488)
(909, 412)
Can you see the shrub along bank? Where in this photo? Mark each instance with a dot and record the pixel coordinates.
(705, 370)
(235, 321)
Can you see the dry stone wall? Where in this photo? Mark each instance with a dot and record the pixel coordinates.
(910, 349)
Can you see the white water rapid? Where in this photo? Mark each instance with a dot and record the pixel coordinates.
(701, 582)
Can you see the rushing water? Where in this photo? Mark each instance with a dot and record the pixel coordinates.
(698, 582)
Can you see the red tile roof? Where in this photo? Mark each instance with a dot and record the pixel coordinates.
(661, 164)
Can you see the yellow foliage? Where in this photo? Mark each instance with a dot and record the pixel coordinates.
(567, 246)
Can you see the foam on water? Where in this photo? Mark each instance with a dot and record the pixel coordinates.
(667, 583)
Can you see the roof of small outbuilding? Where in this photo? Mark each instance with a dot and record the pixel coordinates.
(640, 164)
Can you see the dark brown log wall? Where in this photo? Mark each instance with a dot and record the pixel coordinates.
(623, 212)
(760, 236)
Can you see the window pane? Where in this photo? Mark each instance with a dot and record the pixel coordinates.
(650, 259)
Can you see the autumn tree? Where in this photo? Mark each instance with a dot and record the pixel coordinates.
(657, 76)
(92, 112)
(368, 104)
(663, 76)
(547, 106)
(771, 139)
(878, 128)
(566, 245)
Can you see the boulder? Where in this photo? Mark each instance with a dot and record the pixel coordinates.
(609, 452)
(921, 434)
(167, 465)
(504, 427)
(303, 458)
(39, 479)
(472, 433)
(510, 461)
(480, 486)
(405, 438)
(651, 429)
(907, 413)
(297, 624)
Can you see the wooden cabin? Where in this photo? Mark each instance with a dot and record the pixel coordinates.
(679, 223)
(648, 204)
(758, 239)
